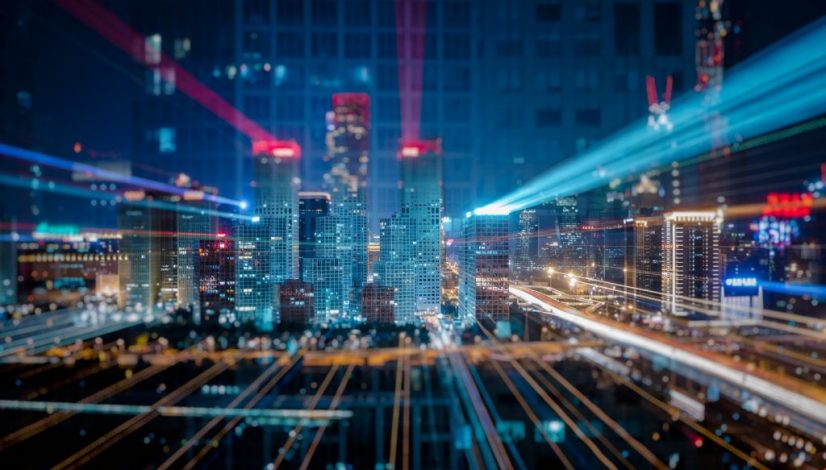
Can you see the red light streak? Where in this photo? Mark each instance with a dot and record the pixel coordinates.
(410, 67)
(128, 40)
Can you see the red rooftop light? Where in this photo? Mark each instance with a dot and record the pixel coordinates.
(277, 148)
(416, 148)
(359, 100)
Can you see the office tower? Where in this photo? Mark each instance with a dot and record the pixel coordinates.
(296, 302)
(572, 256)
(644, 260)
(311, 206)
(395, 266)
(421, 204)
(378, 304)
(691, 260)
(253, 281)
(483, 268)
(137, 271)
(348, 144)
(276, 183)
(329, 269)
(215, 271)
(502, 82)
(193, 225)
(525, 244)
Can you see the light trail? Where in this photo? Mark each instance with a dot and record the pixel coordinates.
(394, 427)
(532, 415)
(406, 416)
(232, 406)
(554, 406)
(800, 403)
(73, 191)
(38, 158)
(679, 415)
(308, 457)
(103, 394)
(213, 443)
(101, 444)
(121, 35)
(292, 435)
(772, 90)
(300, 416)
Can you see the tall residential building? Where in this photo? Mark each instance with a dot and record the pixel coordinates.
(512, 86)
(276, 182)
(691, 260)
(572, 253)
(421, 204)
(215, 271)
(483, 268)
(348, 144)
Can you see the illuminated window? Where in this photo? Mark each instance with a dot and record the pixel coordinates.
(182, 47)
(152, 49)
(166, 140)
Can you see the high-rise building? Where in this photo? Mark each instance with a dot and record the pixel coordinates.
(276, 182)
(311, 206)
(215, 271)
(525, 244)
(483, 268)
(691, 260)
(193, 226)
(644, 260)
(378, 304)
(572, 253)
(348, 143)
(395, 267)
(296, 302)
(254, 285)
(329, 269)
(148, 269)
(421, 205)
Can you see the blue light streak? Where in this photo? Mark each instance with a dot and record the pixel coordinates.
(781, 86)
(56, 162)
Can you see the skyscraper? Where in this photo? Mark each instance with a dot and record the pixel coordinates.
(691, 260)
(254, 285)
(525, 246)
(483, 268)
(311, 206)
(215, 271)
(421, 204)
(276, 182)
(348, 144)
(644, 260)
(378, 304)
(192, 226)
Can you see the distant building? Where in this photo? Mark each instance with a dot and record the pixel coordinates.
(348, 145)
(395, 265)
(525, 244)
(329, 269)
(311, 206)
(253, 281)
(483, 268)
(691, 260)
(62, 270)
(193, 225)
(644, 260)
(421, 203)
(215, 271)
(296, 302)
(572, 253)
(378, 304)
